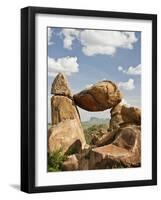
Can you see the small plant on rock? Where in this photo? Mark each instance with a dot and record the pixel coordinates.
(55, 161)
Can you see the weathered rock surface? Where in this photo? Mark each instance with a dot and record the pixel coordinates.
(106, 139)
(129, 138)
(63, 135)
(66, 130)
(131, 115)
(121, 149)
(116, 117)
(70, 164)
(78, 161)
(76, 147)
(101, 96)
(120, 115)
(60, 86)
(106, 157)
(124, 151)
(63, 108)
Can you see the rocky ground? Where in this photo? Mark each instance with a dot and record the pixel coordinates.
(70, 147)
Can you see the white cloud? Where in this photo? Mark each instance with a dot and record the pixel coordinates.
(50, 34)
(88, 86)
(99, 42)
(131, 70)
(69, 35)
(124, 102)
(66, 65)
(120, 68)
(134, 70)
(129, 85)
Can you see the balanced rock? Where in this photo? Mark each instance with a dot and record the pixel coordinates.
(101, 96)
(60, 86)
(123, 115)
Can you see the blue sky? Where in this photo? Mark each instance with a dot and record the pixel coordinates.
(88, 56)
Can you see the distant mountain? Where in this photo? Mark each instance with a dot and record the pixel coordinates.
(95, 121)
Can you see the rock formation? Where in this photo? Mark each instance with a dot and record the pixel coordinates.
(60, 86)
(71, 163)
(101, 96)
(124, 151)
(66, 126)
(122, 115)
(118, 147)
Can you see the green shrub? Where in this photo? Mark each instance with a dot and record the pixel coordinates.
(55, 161)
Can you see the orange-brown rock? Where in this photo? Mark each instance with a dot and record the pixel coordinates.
(101, 96)
(106, 139)
(120, 115)
(76, 147)
(70, 164)
(66, 129)
(124, 151)
(129, 138)
(60, 86)
(131, 115)
(64, 134)
(63, 108)
(106, 157)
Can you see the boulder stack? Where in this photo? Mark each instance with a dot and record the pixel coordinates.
(66, 127)
(118, 147)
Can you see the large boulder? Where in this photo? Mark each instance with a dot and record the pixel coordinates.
(60, 86)
(106, 139)
(121, 149)
(116, 117)
(70, 164)
(101, 96)
(107, 157)
(129, 137)
(122, 115)
(124, 151)
(63, 135)
(66, 131)
(63, 108)
(131, 115)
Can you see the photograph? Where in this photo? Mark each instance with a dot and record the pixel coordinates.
(89, 99)
(94, 99)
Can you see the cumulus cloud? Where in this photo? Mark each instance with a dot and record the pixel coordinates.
(129, 85)
(50, 34)
(68, 36)
(131, 70)
(99, 42)
(66, 65)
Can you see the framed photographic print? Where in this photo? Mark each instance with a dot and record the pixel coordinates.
(88, 99)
